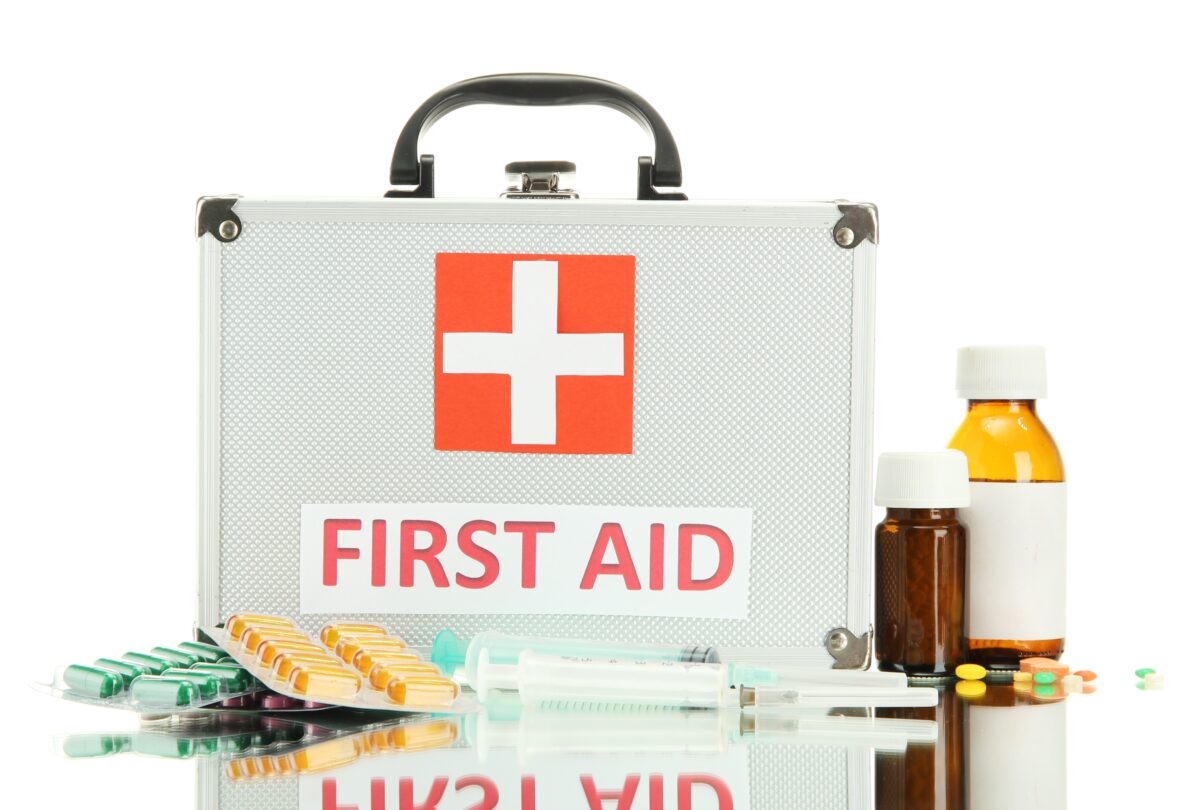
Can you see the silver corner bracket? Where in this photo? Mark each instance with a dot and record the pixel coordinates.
(848, 650)
(215, 215)
(859, 221)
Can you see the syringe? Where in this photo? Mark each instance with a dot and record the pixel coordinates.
(542, 678)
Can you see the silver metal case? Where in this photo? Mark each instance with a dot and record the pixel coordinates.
(752, 388)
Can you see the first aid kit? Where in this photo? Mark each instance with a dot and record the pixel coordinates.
(643, 420)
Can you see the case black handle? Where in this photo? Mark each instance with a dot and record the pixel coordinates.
(535, 90)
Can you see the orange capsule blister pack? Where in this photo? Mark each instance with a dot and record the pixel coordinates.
(350, 664)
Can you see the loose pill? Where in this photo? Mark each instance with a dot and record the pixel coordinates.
(156, 664)
(156, 690)
(349, 646)
(237, 624)
(330, 683)
(381, 674)
(93, 681)
(1072, 683)
(1022, 677)
(366, 660)
(207, 685)
(1043, 690)
(1154, 680)
(970, 672)
(1143, 672)
(970, 689)
(232, 678)
(283, 665)
(1086, 674)
(333, 631)
(1043, 677)
(1036, 665)
(208, 653)
(178, 658)
(421, 690)
(255, 636)
(1088, 688)
(125, 669)
(269, 650)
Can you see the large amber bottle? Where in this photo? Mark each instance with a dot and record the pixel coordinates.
(1016, 579)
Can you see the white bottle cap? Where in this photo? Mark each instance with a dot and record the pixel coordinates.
(930, 480)
(1002, 372)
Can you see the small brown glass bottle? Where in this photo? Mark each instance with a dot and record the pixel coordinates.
(921, 563)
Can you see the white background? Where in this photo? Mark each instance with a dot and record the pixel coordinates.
(1035, 168)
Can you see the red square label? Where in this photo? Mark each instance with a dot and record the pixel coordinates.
(533, 354)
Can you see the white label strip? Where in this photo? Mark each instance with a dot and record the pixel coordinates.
(513, 559)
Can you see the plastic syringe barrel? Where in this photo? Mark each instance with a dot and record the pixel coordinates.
(505, 649)
(543, 678)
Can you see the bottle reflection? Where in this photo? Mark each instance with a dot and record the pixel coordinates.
(1003, 747)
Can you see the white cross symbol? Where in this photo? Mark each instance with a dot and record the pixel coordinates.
(535, 354)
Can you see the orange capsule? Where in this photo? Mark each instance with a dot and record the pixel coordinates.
(348, 646)
(423, 736)
(326, 755)
(237, 624)
(426, 691)
(382, 673)
(331, 632)
(268, 651)
(253, 638)
(328, 683)
(1086, 674)
(366, 660)
(284, 663)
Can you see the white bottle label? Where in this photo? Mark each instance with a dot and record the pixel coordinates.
(1016, 561)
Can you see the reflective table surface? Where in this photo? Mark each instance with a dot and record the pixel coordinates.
(1003, 748)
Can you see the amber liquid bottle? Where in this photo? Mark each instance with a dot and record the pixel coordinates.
(1016, 580)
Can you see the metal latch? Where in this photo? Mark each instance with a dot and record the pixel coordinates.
(540, 180)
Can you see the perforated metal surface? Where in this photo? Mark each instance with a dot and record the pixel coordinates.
(743, 397)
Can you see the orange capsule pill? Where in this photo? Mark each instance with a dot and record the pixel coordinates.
(382, 674)
(349, 646)
(366, 660)
(284, 663)
(1086, 674)
(1036, 665)
(326, 755)
(423, 736)
(320, 681)
(333, 631)
(253, 638)
(426, 691)
(237, 624)
(268, 651)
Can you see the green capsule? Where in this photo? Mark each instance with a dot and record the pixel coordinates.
(227, 660)
(207, 684)
(155, 690)
(231, 678)
(208, 653)
(178, 658)
(235, 743)
(1043, 689)
(79, 746)
(154, 663)
(128, 671)
(93, 681)
(163, 745)
(1043, 677)
(1144, 671)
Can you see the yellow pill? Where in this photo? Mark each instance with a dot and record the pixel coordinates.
(970, 689)
(331, 632)
(268, 651)
(366, 660)
(970, 672)
(382, 674)
(1022, 677)
(286, 662)
(331, 683)
(326, 755)
(424, 736)
(376, 742)
(253, 638)
(422, 690)
(348, 646)
(238, 623)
